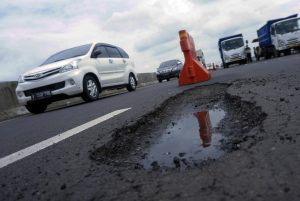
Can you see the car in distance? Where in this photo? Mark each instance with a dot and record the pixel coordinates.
(79, 71)
(169, 69)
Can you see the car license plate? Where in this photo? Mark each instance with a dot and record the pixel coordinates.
(41, 95)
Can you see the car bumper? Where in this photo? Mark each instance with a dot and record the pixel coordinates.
(235, 59)
(68, 83)
(168, 75)
(290, 46)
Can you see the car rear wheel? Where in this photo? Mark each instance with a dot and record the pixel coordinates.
(131, 83)
(36, 108)
(90, 89)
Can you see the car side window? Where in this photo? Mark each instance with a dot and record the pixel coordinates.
(100, 52)
(123, 53)
(113, 52)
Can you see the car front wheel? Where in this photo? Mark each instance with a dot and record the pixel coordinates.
(90, 89)
(36, 108)
(131, 83)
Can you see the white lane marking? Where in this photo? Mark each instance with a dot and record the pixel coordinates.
(53, 140)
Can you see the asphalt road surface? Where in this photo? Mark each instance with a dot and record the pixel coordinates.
(60, 167)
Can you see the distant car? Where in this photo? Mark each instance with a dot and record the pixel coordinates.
(79, 71)
(168, 70)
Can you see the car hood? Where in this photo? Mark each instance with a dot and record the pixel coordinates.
(167, 68)
(51, 66)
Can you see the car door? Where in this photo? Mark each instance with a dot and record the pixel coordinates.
(126, 64)
(102, 64)
(116, 64)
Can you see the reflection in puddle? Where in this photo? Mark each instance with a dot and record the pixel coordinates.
(190, 138)
(205, 128)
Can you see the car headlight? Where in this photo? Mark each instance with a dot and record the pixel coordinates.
(71, 66)
(21, 79)
(281, 43)
(226, 57)
(175, 68)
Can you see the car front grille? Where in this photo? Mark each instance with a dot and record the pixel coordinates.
(38, 76)
(51, 87)
(165, 71)
(235, 57)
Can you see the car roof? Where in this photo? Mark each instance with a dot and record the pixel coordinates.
(169, 62)
(105, 44)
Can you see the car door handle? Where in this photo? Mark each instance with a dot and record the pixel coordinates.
(110, 61)
(124, 61)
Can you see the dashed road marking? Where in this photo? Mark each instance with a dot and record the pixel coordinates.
(53, 140)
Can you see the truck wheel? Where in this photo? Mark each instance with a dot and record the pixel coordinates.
(267, 53)
(36, 108)
(131, 83)
(90, 89)
(287, 52)
(159, 80)
(273, 52)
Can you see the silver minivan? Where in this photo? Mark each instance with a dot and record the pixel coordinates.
(79, 71)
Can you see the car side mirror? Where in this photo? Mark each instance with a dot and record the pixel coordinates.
(96, 53)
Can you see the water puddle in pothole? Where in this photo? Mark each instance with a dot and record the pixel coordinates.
(192, 137)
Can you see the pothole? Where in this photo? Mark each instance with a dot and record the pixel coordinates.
(192, 136)
(189, 129)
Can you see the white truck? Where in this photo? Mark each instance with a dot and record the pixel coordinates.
(279, 36)
(200, 57)
(232, 50)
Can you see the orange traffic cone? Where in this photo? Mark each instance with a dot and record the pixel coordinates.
(214, 67)
(205, 129)
(192, 71)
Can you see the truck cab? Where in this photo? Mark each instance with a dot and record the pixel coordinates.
(279, 36)
(232, 50)
(200, 57)
(285, 35)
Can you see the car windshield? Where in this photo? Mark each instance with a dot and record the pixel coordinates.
(168, 63)
(287, 26)
(232, 44)
(69, 53)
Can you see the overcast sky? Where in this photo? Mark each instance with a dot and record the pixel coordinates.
(32, 30)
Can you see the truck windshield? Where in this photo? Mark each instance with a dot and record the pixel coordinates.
(232, 44)
(287, 26)
(69, 53)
